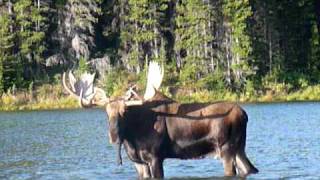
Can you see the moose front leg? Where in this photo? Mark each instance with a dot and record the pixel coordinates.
(156, 168)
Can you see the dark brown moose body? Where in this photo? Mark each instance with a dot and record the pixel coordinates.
(163, 128)
(155, 127)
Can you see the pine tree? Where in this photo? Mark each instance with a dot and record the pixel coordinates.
(84, 15)
(31, 34)
(141, 36)
(192, 39)
(239, 45)
(6, 44)
(285, 40)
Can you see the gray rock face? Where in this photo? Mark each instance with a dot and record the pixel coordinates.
(55, 60)
(102, 65)
(80, 47)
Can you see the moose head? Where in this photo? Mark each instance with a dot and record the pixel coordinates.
(88, 95)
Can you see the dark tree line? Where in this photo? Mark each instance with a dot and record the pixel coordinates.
(209, 44)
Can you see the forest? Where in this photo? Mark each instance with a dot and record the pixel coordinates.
(240, 50)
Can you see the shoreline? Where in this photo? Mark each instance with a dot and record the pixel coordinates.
(62, 107)
(11, 104)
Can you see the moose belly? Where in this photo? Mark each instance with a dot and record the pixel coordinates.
(193, 139)
(193, 149)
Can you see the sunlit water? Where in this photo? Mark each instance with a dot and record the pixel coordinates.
(283, 142)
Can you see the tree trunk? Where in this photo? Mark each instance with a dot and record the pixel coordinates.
(156, 48)
(10, 11)
(38, 21)
(228, 56)
(137, 49)
(317, 10)
(270, 49)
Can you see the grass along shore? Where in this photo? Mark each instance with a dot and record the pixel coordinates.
(43, 98)
(49, 97)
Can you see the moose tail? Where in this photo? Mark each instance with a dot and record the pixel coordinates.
(244, 166)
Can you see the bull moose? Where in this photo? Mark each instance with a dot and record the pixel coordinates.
(155, 127)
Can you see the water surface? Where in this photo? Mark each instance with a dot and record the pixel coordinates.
(282, 142)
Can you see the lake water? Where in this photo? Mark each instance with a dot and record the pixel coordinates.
(283, 142)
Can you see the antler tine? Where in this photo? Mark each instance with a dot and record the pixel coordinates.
(136, 94)
(100, 97)
(131, 92)
(72, 93)
(154, 79)
(84, 102)
(72, 81)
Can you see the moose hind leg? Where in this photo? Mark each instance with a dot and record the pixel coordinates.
(142, 170)
(156, 168)
(228, 163)
(228, 166)
(227, 156)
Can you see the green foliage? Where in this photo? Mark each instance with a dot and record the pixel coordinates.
(1, 78)
(30, 20)
(285, 82)
(31, 87)
(6, 44)
(29, 43)
(85, 13)
(213, 82)
(191, 38)
(188, 75)
(46, 97)
(140, 38)
(60, 3)
(237, 14)
(83, 66)
(116, 82)
(225, 49)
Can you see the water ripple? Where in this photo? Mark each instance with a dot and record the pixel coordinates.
(282, 141)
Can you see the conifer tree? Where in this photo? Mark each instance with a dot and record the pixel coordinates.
(238, 45)
(192, 37)
(141, 38)
(84, 15)
(6, 45)
(31, 34)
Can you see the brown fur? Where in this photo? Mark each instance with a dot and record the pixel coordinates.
(162, 128)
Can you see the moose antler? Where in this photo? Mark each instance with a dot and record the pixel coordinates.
(154, 79)
(88, 95)
(83, 90)
(131, 93)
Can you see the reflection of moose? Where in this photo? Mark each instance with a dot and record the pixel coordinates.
(156, 127)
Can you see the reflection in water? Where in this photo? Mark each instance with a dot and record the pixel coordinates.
(17, 164)
(282, 141)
